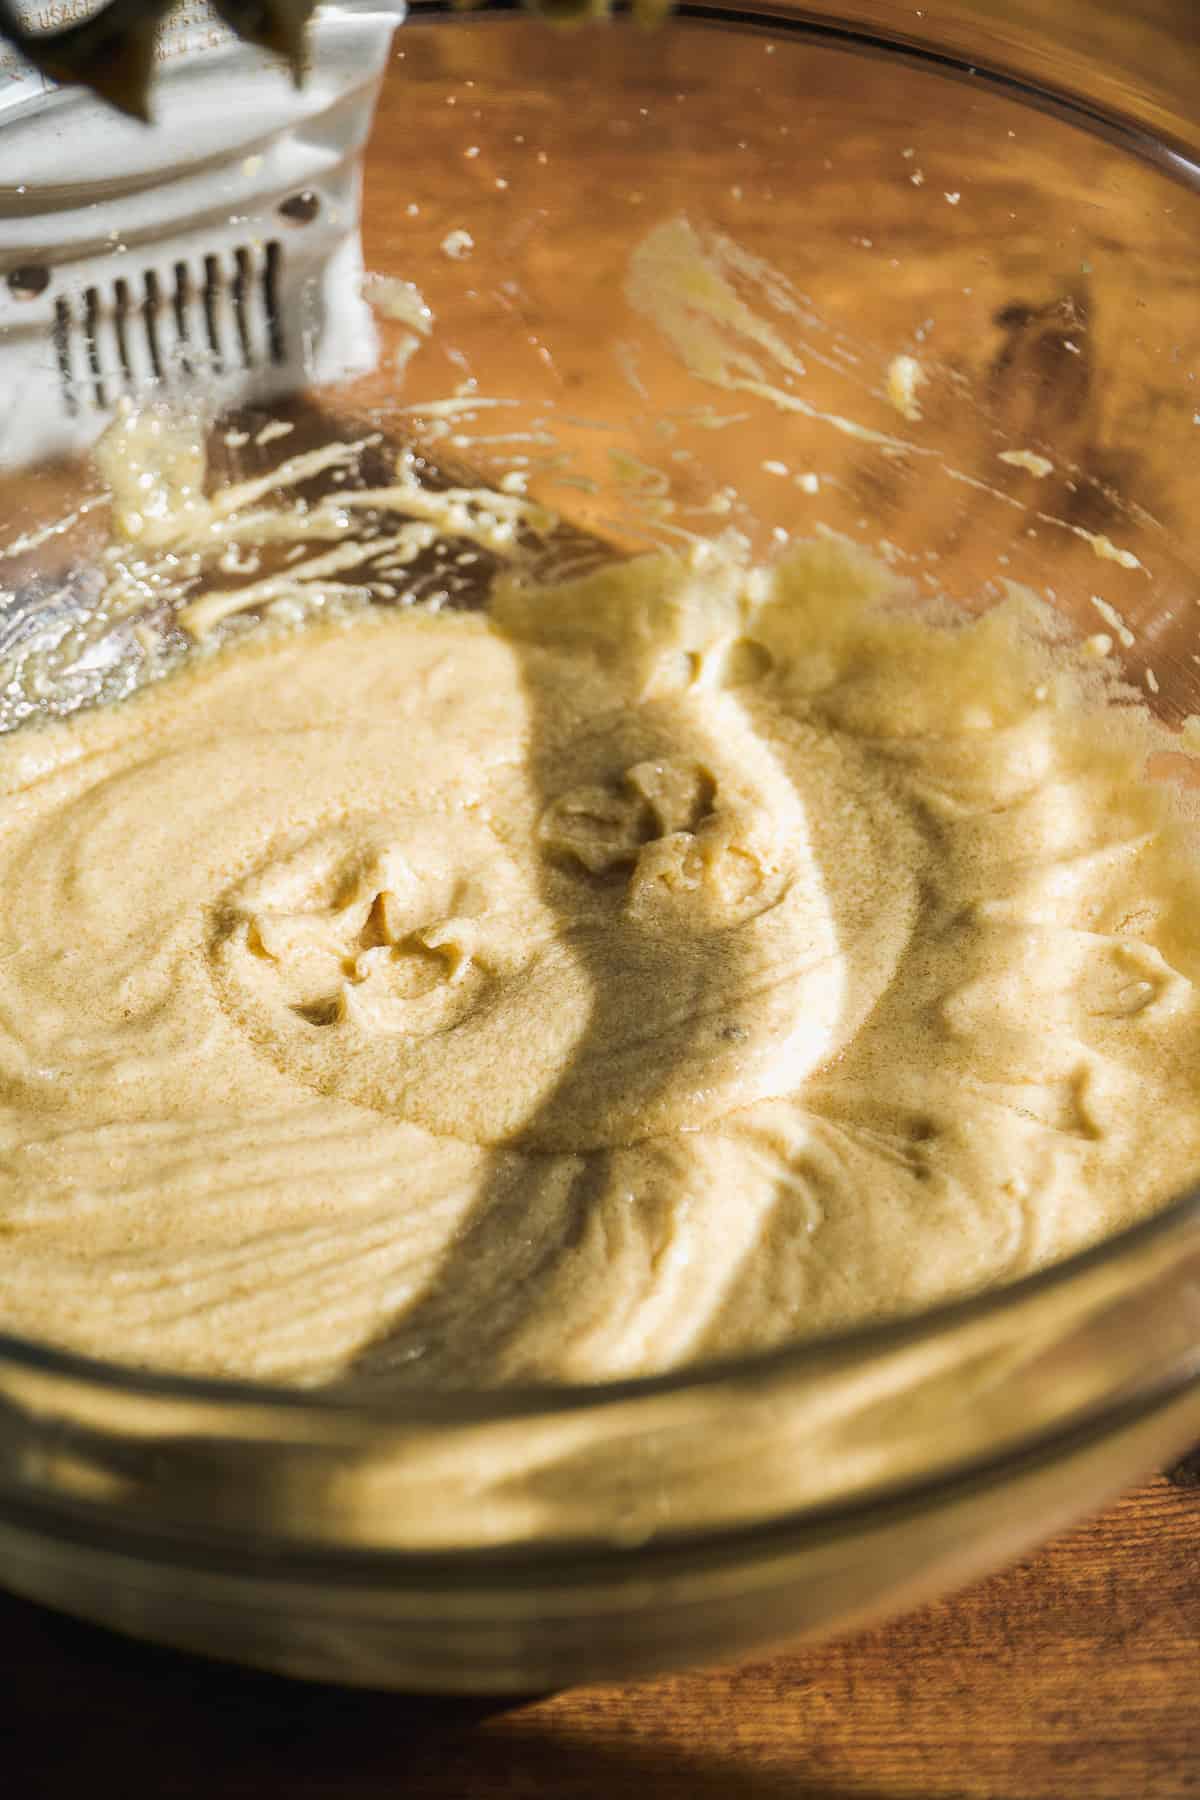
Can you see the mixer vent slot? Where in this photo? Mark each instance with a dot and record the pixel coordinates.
(214, 315)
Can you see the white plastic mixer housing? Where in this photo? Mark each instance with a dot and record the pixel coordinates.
(217, 247)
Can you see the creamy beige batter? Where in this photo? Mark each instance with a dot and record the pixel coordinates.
(682, 960)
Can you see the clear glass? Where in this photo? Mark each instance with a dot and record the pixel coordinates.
(1042, 271)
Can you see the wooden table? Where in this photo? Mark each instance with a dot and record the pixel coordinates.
(1075, 1676)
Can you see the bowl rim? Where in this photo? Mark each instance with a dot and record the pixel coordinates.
(466, 1406)
(1175, 150)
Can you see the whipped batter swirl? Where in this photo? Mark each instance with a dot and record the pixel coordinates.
(680, 960)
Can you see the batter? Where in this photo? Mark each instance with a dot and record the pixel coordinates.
(681, 960)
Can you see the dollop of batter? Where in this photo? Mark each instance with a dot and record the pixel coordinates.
(679, 960)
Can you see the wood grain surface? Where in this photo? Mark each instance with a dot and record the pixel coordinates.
(1074, 1676)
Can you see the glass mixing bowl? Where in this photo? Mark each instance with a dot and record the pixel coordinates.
(1006, 194)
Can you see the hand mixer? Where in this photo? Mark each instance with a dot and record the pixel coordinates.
(217, 243)
(208, 256)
